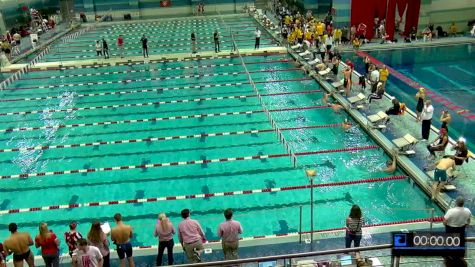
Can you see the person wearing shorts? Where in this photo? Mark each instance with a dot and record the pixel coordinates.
(440, 174)
(18, 244)
(121, 235)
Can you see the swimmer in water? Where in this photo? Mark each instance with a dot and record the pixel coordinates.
(346, 125)
(325, 98)
(391, 165)
(336, 107)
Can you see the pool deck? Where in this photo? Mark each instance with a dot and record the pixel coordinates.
(417, 164)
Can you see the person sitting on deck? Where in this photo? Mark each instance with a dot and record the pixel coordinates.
(395, 109)
(461, 152)
(440, 143)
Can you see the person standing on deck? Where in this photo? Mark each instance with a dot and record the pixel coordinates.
(229, 232)
(216, 41)
(426, 116)
(120, 45)
(144, 42)
(105, 48)
(257, 34)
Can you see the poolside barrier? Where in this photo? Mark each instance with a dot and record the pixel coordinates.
(208, 195)
(190, 162)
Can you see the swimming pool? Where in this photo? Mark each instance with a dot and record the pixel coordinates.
(140, 139)
(164, 37)
(448, 71)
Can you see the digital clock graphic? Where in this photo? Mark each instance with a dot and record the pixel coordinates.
(428, 244)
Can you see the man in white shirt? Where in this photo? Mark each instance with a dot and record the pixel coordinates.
(374, 78)
(257, 33)
(426, 117)
(87, 256)
(457, 218)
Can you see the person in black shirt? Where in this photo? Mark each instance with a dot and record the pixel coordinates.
(193, 42)
(461, 153)
(144, 41)
(216, 41)
(105, 48)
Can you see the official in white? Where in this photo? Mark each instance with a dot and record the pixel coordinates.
(457, 218)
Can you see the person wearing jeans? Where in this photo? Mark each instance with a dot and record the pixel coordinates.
(164, 230)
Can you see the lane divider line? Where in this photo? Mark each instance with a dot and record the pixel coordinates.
(149, 79)
(197, 196)
(196, 116)
(165, 138)
(190, 86)
(151, 69)
(183, 163)
(157, 103)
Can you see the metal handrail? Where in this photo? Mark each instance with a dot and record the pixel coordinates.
(296, 255)
(288, 256)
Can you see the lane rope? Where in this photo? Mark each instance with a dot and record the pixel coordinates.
(197, 196)
(183, 163)
(156, 103)
(196, 116)
(200, 86)
(147, 79)
(165, 138)
(152, 69)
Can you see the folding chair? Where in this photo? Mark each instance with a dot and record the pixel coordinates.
(305, 55)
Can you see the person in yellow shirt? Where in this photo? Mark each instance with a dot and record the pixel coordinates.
(337, 36)
(309, 36)
(453, 30)
(287, 20)
(320, 28)
(291, 38)
(356, 43)
(383, 75)
(299, 35)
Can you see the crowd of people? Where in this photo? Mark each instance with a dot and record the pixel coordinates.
(93, 249)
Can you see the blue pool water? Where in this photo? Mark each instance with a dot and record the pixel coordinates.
(282, 87)
(446, 70)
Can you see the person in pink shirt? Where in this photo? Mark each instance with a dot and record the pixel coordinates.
(229, 232)
(164, 230)
(191, 237)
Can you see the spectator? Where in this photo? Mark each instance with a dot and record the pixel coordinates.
(49, 244)
(378, 95)
(72, 237)
(164, 230)
(441, 32)
(86, 256)
(374, 78)
(193, 43)
(3, 256)
(427, 34)
(121, 235)
(105, 48)
(472, 31)
(461, 153)
(120, 45)
(457, 218)
(18, 244)
(445, 118)
(98, 238)
(17, 40)
(426, 116)
(144, 42)
(191, 237)
(257, 34)
(453, 30)
(383, 76)
(420, 96)
(98, 48)
(440, 143)
(413, 34)
(216, 41)
(395, 109)
(229, 232)
(354, 224)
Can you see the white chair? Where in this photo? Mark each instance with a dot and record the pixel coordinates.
(297, 46)
(314, 62)
(405, 143)
(324, 72)
(338, 83)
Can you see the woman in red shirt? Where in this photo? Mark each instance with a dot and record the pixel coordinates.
(49, 244)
